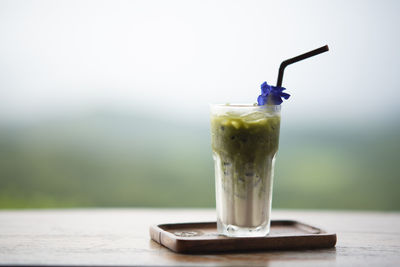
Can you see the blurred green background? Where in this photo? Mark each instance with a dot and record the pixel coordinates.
(113, 160)
(105, 103)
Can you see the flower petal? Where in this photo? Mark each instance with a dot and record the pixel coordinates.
(285, 95)
(276, 99)
(265, 88)
(271, 95)
(261, 100)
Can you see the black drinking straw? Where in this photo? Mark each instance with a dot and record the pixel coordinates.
(296, 59)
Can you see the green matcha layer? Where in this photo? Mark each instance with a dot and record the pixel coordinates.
(239, 135)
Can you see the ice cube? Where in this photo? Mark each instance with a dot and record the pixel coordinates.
(253, 116)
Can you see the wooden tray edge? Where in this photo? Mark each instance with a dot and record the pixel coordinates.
(321, 240)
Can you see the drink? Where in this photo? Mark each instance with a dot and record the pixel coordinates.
(244, 143)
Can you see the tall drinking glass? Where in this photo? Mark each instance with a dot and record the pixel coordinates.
(244, 143)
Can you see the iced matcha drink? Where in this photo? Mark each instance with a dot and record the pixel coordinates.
(244, 143)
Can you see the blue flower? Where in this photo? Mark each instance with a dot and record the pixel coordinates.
(271, 95)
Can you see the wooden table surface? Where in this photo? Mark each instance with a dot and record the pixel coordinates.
(120, 237)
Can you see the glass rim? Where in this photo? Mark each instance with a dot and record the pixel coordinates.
(240, 106)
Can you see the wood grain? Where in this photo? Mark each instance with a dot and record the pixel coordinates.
(120, 237)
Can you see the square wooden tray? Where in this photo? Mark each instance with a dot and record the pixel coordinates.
(200, 237)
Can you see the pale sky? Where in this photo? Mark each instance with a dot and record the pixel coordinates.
(173, 58)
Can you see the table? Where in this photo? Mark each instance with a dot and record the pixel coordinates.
(120, 237)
